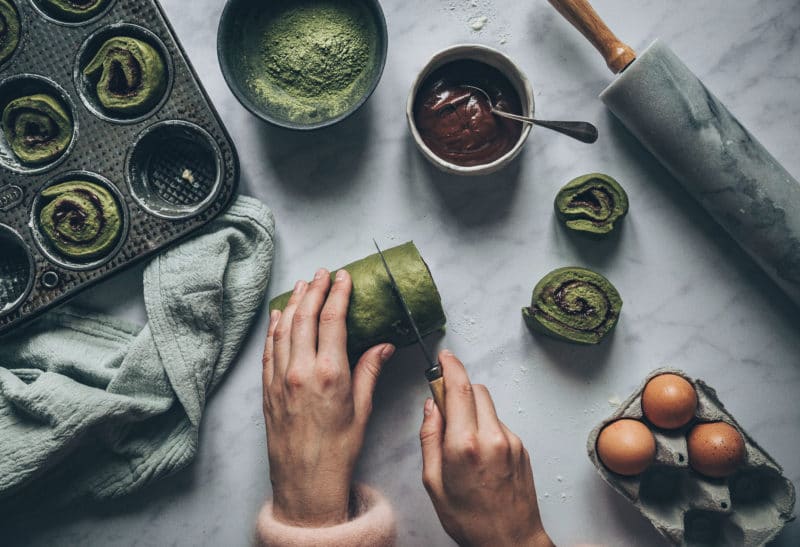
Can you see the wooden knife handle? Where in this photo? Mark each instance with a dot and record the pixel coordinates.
(437, 389)
(580, 13)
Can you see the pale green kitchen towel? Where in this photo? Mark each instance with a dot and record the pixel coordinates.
(91, 407)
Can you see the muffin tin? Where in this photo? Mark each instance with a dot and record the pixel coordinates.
(172, 169)
(748, 508)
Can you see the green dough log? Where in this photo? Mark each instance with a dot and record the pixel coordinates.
(591, 204)
(131, 75)
(82, 220)
(575, 305)
(375, 315)
(38, 128)
(9, 30)
(73, 10)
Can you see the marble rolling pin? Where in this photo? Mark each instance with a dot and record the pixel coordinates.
(674, 116)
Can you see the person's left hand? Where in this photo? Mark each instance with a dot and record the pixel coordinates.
(315, 410)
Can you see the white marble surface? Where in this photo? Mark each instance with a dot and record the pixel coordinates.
(692, 298)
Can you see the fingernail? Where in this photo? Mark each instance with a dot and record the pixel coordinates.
(320, 274)
(340, 275)
(387, 351)
(428, 406)
(298, 286)
(447, 353)
(273, 317)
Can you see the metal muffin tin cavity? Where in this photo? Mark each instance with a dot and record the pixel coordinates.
(749, 507)
(164, 192)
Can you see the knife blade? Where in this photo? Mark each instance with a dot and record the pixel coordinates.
(434, 371)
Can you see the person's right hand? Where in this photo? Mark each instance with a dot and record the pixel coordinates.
(476, 470)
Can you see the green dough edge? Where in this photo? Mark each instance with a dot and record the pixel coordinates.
(152, 69)
(375, 315)
(41, 105)
(74, 192)
(538, 321)
(9, 40)
(582, 219)
(63, 9)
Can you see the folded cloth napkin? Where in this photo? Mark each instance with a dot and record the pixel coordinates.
(93, 407)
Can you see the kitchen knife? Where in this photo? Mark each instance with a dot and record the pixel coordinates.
(673, 115)
(434, 371)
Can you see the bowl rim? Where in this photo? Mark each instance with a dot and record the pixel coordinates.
(517, 78)
(375, 8)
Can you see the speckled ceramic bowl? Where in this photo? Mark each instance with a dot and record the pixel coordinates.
(236, 42)
(490, 57)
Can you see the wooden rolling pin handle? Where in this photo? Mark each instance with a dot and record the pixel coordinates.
(580, 13)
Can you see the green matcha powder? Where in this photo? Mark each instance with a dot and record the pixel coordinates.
(314, 60)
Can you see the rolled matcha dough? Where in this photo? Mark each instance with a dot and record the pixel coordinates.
(375, 314)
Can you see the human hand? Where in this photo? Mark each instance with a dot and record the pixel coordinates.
(315, 410)
(476, 470)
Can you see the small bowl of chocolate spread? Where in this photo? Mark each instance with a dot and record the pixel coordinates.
(450, 115)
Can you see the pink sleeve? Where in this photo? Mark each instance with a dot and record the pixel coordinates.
(371, 525)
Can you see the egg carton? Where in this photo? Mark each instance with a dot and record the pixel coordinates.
(171, 170)
(747, 508)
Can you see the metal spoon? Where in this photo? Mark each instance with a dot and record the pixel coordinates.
(582, 131)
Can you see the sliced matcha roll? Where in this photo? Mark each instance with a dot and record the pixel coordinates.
(131, 75)
(575, 305)
(592, 204)
(9, 30)
(82, 220)
(375, 314)
(38, 128)
(73, 10)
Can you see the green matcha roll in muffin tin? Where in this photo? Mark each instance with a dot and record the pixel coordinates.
(130, 75)
(123, 73)
(9, 30)
(38, 125)
(73, 11)
(375, 315)
(574, 305)
(592, 204)
(80, 220)
(38, 128)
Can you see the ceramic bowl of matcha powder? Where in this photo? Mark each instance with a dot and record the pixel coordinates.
(302, 64)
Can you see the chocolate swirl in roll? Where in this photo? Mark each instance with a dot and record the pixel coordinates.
(575, 305)
(131, 75)
(81, 220)
(591, 204)
(9, 30)
(73, 10)
(38, 128)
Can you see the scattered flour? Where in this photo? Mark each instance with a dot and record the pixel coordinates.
(477, 23)
(480, 16)
(614, 401)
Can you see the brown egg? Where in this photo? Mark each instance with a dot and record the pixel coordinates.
(626, 447)
(669, 401)
(716, 449)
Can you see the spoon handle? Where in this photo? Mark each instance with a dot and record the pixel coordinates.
(582, 131)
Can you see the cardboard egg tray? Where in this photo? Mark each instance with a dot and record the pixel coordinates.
(172, 170)
(747, 508)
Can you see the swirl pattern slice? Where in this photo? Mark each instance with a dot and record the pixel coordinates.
(591, 204)
(38, 128)
(131, 75)
(575, 305)
(81, 220)
(73, 11)
(9, 30)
